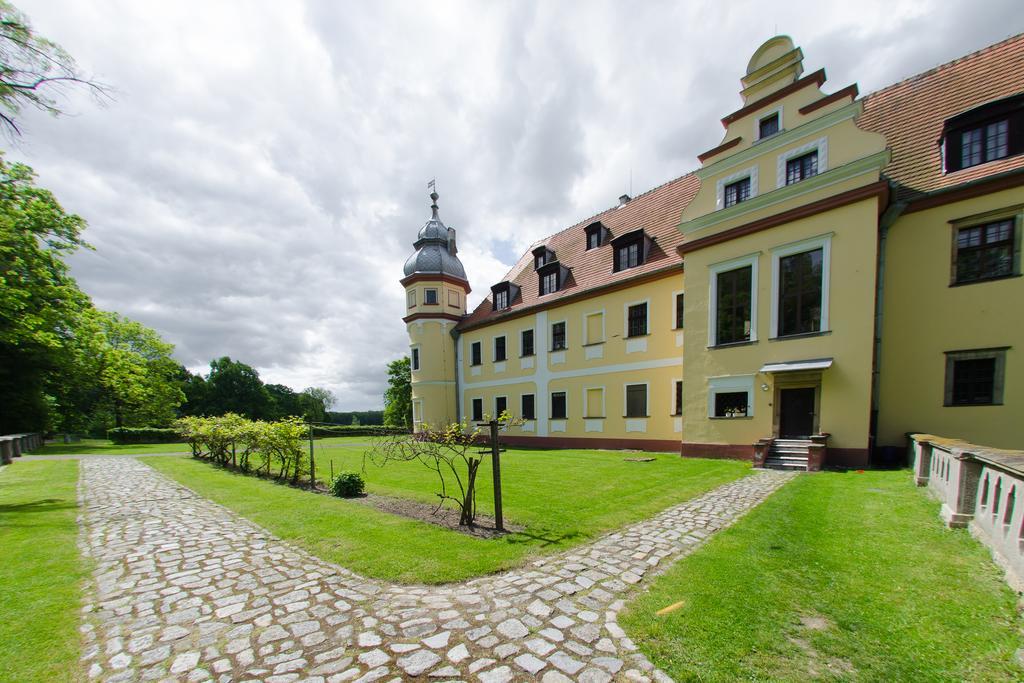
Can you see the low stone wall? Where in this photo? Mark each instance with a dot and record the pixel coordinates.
(980, 488)
(13, 445)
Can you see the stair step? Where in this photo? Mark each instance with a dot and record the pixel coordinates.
(787, 456)
(775, 465)
(793, 442)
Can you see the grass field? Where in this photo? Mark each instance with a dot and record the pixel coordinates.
(837, 576)
(40, 572)
(562, 498)
(108, 447)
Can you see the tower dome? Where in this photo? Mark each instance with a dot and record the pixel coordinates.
(435, 249)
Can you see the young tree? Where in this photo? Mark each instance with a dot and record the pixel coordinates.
(33, 70)
(398, 397)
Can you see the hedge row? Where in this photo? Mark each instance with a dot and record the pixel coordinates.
(132, 435)
(358, 430)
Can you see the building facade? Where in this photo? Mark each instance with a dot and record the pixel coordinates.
(839, 271)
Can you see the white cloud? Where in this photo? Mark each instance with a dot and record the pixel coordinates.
(258, 182)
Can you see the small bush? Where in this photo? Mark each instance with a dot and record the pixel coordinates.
(127, 435)
(347, 485)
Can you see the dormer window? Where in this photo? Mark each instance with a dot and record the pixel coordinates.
(597, 235)
(549, 282)
(503, 294)
(737, 192)
(631, 250)
(541, 257)
(988, 133)
(768, 126)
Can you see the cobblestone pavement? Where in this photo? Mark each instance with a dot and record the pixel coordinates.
(185, 590)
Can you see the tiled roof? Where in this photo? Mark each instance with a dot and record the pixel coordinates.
(911, 114)
(656, 211)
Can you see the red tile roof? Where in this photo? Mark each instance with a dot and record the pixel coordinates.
(656, 211)
(911, 114)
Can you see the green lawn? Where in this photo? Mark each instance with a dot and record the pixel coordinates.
(108, 447)
(40, 572)
(562, 498)
(886, 591)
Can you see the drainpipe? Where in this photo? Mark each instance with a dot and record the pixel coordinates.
(885, 221)
(458, 373)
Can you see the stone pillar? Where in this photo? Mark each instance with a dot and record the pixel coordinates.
(922, 460)
(817, 452)
(16, 446)
(6, 451)
(761, 449)
(961, 499)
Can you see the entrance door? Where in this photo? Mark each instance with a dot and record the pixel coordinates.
(796, 412)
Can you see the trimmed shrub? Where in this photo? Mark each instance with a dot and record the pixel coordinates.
(132, 435)
(358, 430)
(347, 485)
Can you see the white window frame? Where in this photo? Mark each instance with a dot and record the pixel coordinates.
(625, 318)
(411, 298)
(496, 413)
(757, 124)
(471, 344)
(418, 356)
(586, 406)
(750, 172)
(821, 145)
(521, 330)
(647, 400)
(534, 406)
(437, 296)
(823, 242)
(551, 404)
(472, 402)
(677, 410)
(494, 348)
(728, 384)
(716, 268)
(586, 328)
(672, 308)
(551, 336)
(453, 294)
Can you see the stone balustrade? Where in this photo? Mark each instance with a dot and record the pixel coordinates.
(13, 445)
(980, 488)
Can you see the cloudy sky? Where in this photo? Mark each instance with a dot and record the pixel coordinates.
(258, 180)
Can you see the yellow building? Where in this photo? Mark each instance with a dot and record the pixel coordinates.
(852, 273)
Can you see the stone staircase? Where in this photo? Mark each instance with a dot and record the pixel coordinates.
(788, 454)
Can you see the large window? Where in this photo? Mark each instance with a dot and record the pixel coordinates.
(679, 311)
(526, 402)
(526, 343)
(478, 409)
(558, 411)
(737, 192)
(637, 320)
(731, 404)
(800, 290)
(984, 252)
(636, 400)
(475, 355)
(733, 305)
(975, 378)
(499, 349)
(802, 167)
(558, 336)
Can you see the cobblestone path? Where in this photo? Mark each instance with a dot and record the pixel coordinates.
(187, 591)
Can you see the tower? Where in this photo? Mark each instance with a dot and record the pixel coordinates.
(435, 294)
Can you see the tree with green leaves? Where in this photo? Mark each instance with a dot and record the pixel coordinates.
(234, 387)
(284, 401)
(398, 397)
(34, 71)
(317, 401)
